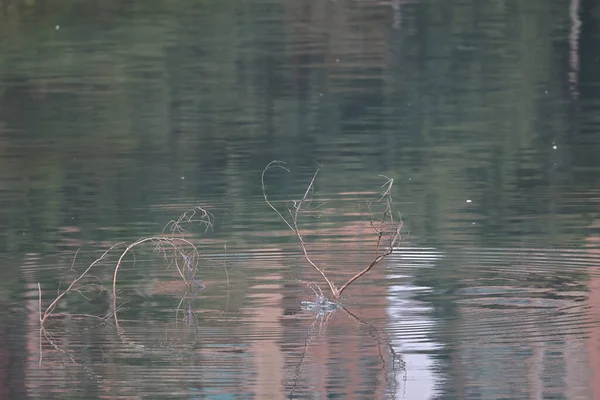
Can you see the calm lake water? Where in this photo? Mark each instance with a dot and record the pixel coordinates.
(116, 117)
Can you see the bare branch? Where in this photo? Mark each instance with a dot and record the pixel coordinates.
(293, 212)
(332, 287)
(387, 231)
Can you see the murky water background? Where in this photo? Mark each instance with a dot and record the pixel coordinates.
(117, 117)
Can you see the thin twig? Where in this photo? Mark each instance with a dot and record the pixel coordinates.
(376, 260)
(54, 303)
(206, 218)
(68, 272)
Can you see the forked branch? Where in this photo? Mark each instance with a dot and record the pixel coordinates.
(388, 231)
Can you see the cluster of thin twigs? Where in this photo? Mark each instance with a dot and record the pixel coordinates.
(387, 229)
(178, 251)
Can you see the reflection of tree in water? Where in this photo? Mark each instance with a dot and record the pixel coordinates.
(382, 379)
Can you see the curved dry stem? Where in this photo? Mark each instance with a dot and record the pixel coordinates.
(176, 246)
(274, 164)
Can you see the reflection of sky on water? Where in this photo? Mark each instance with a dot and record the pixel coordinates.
(409, 327)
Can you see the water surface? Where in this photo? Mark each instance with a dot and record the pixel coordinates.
(117, 117)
